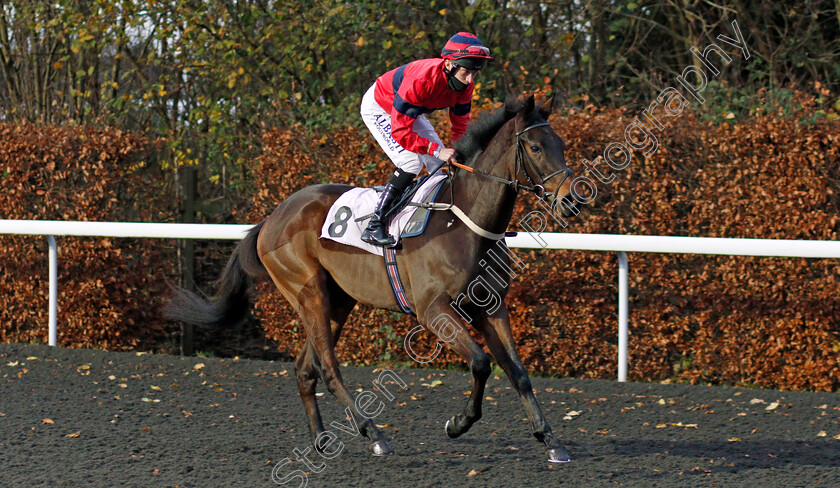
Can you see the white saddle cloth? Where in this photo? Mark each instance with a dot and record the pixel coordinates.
(341, 225)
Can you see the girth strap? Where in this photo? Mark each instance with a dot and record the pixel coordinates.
(390, 255)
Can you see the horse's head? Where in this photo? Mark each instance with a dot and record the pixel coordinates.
(539, 164)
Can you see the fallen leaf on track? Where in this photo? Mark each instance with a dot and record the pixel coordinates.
(198, 366)
(48, 421)
(734, 439)
(772, 406)
(822, 433)
(74, 434)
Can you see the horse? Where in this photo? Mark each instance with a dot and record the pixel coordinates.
(503, 152)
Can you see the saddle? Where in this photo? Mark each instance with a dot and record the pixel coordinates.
(348, 216)
(417, 223)
(404, 200)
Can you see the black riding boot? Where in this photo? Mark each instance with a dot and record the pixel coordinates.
(377, 229)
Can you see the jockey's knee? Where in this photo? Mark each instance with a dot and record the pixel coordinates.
(402, 178)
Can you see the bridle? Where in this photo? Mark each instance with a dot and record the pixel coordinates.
(538, 189)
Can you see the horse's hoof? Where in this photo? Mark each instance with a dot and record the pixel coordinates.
(558, 455)
(381, 448)
(446, 428)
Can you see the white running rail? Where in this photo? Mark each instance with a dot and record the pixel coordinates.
(621, 244)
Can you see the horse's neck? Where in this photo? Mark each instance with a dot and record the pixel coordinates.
(489, 203)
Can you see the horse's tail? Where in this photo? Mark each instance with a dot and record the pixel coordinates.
(230, 303)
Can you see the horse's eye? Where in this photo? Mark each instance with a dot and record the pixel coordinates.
(535, 148)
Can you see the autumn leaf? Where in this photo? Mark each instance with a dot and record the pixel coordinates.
(571, 414)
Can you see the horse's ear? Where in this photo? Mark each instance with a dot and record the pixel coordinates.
(548, 106)
(511, 106)
(529, 105)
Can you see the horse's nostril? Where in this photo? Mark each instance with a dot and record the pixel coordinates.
(569, 207)
(568, 201)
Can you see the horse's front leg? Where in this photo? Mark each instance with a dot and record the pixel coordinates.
(497, 333)
(452, 330)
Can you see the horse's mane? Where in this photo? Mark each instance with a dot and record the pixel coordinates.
(482, 130)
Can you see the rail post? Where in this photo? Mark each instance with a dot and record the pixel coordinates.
(623, 305)
(53, 334)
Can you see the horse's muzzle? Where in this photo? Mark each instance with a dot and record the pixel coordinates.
(569, 207)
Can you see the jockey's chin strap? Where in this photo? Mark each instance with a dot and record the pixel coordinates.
(538, 189)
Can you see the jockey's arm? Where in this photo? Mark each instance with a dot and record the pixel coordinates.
(404, 112)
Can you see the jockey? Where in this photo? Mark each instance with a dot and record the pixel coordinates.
(393, 110)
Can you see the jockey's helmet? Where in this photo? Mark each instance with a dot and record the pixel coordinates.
(467, 51)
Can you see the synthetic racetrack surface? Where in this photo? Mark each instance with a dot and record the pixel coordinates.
(91, 418)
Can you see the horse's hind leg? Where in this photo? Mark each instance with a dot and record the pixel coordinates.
(314, 311)
(306, 372)
(307, 366)
(443, 324)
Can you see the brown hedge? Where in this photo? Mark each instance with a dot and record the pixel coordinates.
(106, 286)
(771, 322)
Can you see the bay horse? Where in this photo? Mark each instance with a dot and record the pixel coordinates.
(505, 151)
